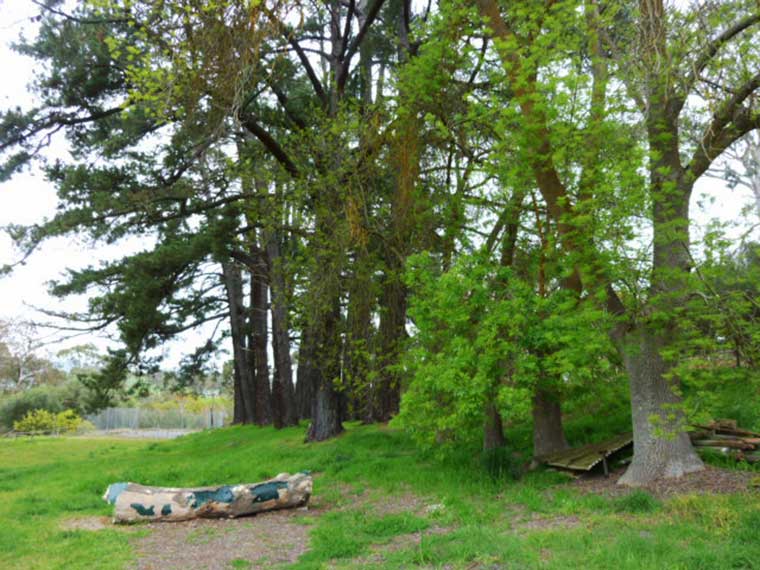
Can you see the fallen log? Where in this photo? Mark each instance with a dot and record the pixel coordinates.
(728, 431)
(733, 444)
(135, 502)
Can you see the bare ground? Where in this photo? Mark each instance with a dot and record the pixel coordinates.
(264, 540)
(711, 480)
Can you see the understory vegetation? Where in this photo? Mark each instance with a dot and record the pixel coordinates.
(464, 519)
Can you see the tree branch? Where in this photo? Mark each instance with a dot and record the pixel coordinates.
(715, 143)
(271, 145)
(712, 48)
(356, 42)
(730, 122)
(288, 34)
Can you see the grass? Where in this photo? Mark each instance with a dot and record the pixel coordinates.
(44, 481)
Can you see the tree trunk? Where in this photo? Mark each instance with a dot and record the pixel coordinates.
(284, 411)
(356, 359)
(138, 503)
(259, 311)
(326, 420)
(548, 433)
(304, 380)
(326, 288)
(387, 392)
(238, 406)
(243, 373)
(493, 429)
(661, 448)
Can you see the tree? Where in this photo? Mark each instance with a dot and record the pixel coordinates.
(660, 73)
(21, 365)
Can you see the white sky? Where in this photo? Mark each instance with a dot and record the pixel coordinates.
(27, 199)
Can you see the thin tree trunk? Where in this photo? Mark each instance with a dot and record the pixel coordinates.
(243, 373)
(259, 311)
(283, 394)
(387, 393)
(493, 429)
(357, 363)
(548, 433)
(238, 406)
(304, 380)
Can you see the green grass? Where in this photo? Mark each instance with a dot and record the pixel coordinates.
(44, 481)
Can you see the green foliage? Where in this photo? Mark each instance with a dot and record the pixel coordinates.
(717, 356)
(484, 333)
(71, 395)
(43, 421)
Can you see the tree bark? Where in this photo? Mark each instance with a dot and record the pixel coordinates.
(326, 420)
(138, 503)
(493, 429)
(386, 395)
(259, 311)
(356, 359)
(284, 411)
(233, 284)
(238, 406)
(304, 380)
(548, 433)
(661, 448)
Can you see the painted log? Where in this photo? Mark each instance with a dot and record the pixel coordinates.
(134, 503)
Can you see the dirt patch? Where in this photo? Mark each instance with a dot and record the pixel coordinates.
(86, 523)
(711, 480)
(263, 541)
(535, 522)
(401, 502)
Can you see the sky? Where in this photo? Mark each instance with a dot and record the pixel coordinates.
(28, 199)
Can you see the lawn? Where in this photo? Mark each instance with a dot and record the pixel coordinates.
(461, 518)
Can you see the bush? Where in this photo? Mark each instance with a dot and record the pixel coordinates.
(54, 399)
(36, 421)
(44, 421)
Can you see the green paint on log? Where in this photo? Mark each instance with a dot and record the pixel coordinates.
(267, 491)
(142, 511)
(220, 495)
(114, 490)
(166, 510)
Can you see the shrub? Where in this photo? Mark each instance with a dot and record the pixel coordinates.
(36, 421)
(43, 421)
(55, 399)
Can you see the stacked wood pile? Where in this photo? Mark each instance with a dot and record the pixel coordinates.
(724, 436)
